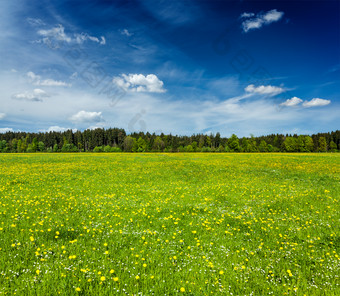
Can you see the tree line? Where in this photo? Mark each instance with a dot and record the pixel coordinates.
(116, 140)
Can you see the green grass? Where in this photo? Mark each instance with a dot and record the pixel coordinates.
(211, 224)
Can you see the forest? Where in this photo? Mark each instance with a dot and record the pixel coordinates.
(117, 140)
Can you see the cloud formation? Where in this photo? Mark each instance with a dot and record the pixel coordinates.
(264, 89)
(58, 35)
(5, 130)
(84, 116)
(2, 116)
(252, 22)
(140, 83)
(126, 32)
(36, 80)
(316, 102)
(291, 102)
(36, 96)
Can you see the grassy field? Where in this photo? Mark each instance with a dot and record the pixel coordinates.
(169, 224)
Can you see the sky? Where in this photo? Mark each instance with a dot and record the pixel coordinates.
(180, 67)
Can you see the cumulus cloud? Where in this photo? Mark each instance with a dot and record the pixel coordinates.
(84, 116)
(140, 83)
(2, 116)
(252, 22)
(316, 102)
(58, 35)
(36, 96)
(5, 130)
(36, 80)
(291, 102)
(264, 89)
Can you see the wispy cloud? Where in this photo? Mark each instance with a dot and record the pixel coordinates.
(126, 32)
(140, 83)
(85, 116)
(57, 34)
(36, 80)
(36, 96)
(2, 116)
(36, 22)
(268, 90)
(252, 22)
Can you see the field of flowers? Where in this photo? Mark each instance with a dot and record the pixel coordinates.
(169, 224)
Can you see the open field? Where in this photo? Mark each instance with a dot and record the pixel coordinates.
(169, 224)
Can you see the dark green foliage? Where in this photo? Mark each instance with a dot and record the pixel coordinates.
(116, 140)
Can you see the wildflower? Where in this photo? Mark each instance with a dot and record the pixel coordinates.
(102, 278)
(182, 290)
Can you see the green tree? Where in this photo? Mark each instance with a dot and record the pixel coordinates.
(309, 145)
(158, 144)
(263, 147)
(333, 146)
(41, 146)
(233, 143)
(290, 144)
(34, 145)
(107, 148)
(55, 148)
(322, 144)
(19, 146)
(129, 144)
(141, 145)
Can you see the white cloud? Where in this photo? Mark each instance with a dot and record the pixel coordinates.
(256, 22)
(84, 116)
(140, 83)
(316, 102)
(36, 80)
(247, 14)
(36, 96)
(35, 21)
(126, 33)
(2, 116)
(57, 128)
(57, 34)
(264, 89)
(81, 38)
(5, 130)
(291, 102)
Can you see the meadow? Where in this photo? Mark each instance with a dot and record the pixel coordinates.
(169, 224)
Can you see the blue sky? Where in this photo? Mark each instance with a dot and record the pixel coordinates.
(180, 67)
